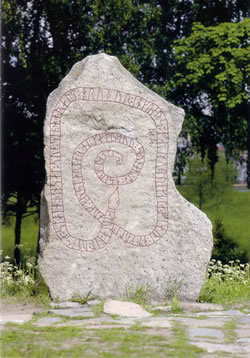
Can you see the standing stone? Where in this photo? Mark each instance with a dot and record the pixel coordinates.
(111, 217)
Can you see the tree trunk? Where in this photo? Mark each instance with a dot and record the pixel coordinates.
(200, 199)
(17, 251)
(248, 151)
(179, 178)
(38, 236)
(20, 210)
(248, 132)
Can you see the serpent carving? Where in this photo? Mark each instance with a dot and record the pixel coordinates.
(106, 220)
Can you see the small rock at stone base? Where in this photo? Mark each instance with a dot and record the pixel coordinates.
(126, 309)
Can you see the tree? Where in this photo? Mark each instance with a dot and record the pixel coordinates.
(201, 186)
(22, 146)
(214, 12)
(175, 21)
(210, 83)
(183, 153)
(225, 248)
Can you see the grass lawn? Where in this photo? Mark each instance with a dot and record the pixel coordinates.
(233, 209)
(29, 235)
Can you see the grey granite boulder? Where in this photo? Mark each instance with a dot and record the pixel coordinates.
(111, 217)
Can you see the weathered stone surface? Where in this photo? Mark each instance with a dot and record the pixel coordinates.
(205, 332)
(107, 320)
(47, 321)
(111, 217)
(193, 322)
(244, 333)
(126, 309)
(223, 348)
(160, 322)
(200, 307)
(192, 307)
(67, 304)
(231, 313)
(245, 319)
(73, 312)
(17, 312)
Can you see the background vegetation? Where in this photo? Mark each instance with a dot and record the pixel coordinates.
(192, 52)
(227, 208)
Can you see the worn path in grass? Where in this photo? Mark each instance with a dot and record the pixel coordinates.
(74, 330)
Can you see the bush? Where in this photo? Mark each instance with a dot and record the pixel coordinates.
(226, 284)
(24, 280)
(225, 249)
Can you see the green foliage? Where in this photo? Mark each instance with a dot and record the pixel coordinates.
(210, 81)
(83, 300)
(226, 284)
(172, 295)
(225, 249)
(123, 28)
(29, 234)
(138, 295)
(24, 281)
(219, 52)
(173, 289)
(176, 305)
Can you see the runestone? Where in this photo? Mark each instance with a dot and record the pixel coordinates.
(111, 217)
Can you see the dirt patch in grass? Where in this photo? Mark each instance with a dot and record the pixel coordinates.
(14, 310)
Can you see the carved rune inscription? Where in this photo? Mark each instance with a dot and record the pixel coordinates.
(106, 220)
